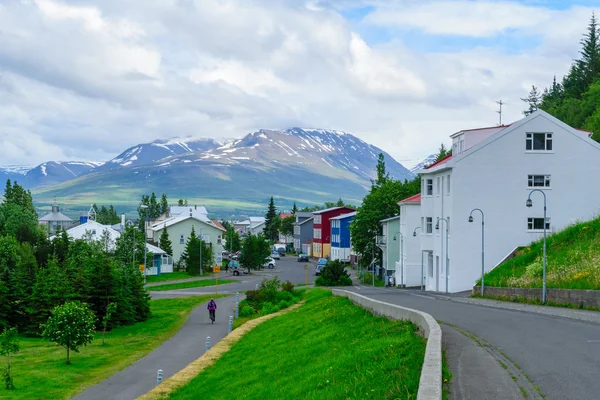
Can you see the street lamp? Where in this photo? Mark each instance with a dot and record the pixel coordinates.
(422, 268)
(401, 257)
(482, 244)
(437, 227)
(143, 207)
(529, 203)
(373, 258)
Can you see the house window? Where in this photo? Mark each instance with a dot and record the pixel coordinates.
(448, 182)
(429, 187)
(219, 239)
(538, 181)
(438, 186)
(181, 240)
(429, 228)
(317, 219)
(537, 224)
(317, 233)
(538, 141)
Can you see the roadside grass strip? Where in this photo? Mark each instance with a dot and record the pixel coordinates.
(327, 349)
(169, 277)
(183, 377)
(39, 369)
(188, 285)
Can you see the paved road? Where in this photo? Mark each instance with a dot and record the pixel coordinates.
(176, 353)
(560, 355)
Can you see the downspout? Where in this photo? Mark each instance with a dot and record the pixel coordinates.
(441, 231)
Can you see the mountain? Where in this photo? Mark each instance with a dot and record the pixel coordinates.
(13, 172)
(148, 153)
(424, 163)
(53, 172)
(308, 166)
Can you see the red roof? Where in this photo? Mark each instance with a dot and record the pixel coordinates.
(218, 224)
(443, 160)
(284, 216)
(412, 199)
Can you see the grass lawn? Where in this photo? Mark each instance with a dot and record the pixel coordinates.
(169, 277)
(327, 349)
(191, 284)
(39, 369)
(572, 261)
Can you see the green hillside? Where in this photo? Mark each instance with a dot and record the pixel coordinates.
(573, 261)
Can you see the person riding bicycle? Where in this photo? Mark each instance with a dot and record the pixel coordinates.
(212, 306)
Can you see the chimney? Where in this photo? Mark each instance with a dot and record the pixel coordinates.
(123, 221)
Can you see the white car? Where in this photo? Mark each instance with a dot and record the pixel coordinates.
(270, 263)
(275, 255)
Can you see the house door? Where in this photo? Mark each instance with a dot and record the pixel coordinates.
(437, 273)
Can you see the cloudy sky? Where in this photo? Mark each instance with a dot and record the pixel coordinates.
(84, 79)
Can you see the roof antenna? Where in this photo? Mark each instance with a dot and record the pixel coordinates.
(500, 111)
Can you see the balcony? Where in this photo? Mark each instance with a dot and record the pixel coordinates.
(381, 241)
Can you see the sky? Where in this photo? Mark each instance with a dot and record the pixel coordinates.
(83, 79)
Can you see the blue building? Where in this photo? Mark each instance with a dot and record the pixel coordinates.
(340, 237)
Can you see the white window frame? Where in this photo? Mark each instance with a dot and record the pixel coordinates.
(531, 181)
(317, 233)
(530, 142)
(448, 183)
(429, 187)
(531, 224)
(429, 225)
(438, 186)
(318, 219)
(219, 240)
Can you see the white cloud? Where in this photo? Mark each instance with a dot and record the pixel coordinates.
(83, 79)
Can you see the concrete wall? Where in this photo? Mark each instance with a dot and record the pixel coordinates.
(587, 298)
(430, 385)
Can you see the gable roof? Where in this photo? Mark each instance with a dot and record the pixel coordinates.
(390, 219)
(173, 221)
(439, 162)
(499, 127)
(344, 216)
(518, 124)
(412, 199)
(284, 216)
(305, 221)
(330, 209)
(218, 225)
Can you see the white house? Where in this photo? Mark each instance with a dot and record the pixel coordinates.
(412, 257)
(495, 169)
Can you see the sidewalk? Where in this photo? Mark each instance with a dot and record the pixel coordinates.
(173, 355)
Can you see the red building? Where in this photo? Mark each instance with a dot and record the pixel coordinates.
(322, 229)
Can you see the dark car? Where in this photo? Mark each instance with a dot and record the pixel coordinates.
(302, 257)
(281, 251)
(320, 265)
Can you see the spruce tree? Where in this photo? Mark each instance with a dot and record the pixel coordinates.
(533, 100)
(271, 229)
(382, 175)
(191, 254)
(165, 243)
(164, 204)
(589, 64)
(294, 209)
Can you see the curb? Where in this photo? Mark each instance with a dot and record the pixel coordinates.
(430, 384)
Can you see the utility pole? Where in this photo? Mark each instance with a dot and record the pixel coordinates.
(500, 111)
(201, 241)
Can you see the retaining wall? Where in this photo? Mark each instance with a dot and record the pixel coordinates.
(430, 385)
(586, 298)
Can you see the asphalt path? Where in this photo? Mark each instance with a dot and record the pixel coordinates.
(559, 355)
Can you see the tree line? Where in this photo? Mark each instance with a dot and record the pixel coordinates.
(38, 273)
(575, 99)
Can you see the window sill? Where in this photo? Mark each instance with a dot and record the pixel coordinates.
(538, 187)
(538, 230)
(539, 151)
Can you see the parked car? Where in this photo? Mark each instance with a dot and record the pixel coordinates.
(281, 251)
(236, 269)
(302, 257)
(320, 265)
(270, 263)
(275, 255)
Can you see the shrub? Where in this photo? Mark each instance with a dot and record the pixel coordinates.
(254, 297)
(320, 281)
(268, 308)
(345, 281)
(288, 287)
(283, 296)
(247, 311)
(283, 304)
(333, 271)
(269, 289)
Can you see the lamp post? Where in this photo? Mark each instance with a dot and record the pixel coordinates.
(529, 203)
(437, 227)
(143, 207)
(422, 272)
(201, 241)
(401, 254)
(482, 245)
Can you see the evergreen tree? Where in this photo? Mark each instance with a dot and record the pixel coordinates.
(294, 208)
(18, 217)
(165, 243)
(154, 210)
(443, 152)
(124, 246)
(533, 100)
(340, 203)
(103, 217)
(191, 254)
(164, 204)
(271, 229)
(23, 281)
(382, 175)
(589, 64)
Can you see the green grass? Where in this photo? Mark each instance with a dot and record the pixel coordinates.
(191, 284)
(367, 279)
(573, 257)
(39, 369)
(169, 277)
(326, 349)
